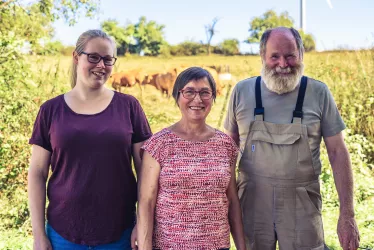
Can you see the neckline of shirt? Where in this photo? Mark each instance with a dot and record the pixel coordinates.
(75, 113)
(182, 139)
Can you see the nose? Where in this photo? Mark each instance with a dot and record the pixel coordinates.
(283, 62)
(197, 96)
(101, 64)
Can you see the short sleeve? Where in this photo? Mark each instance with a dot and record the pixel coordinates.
(40, 134)
(141, 128)
(331, 122)
(230, 121)
(154, 146)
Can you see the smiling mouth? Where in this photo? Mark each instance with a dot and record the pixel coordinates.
(197, 108)
(100, 74)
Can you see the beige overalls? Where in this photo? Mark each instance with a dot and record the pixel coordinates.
(278, 187)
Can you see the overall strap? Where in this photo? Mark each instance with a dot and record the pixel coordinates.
(298, 112)
(259, 111)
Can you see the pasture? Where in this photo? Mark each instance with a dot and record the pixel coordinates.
(349, 75)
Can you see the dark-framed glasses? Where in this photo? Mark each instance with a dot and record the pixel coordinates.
(190, 94)
(96, 58)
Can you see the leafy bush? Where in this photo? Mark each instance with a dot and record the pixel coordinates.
(188, 48)
(228, 47)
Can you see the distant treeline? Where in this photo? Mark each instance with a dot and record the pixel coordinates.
(28, 28)
(147, 38)
(187, 48)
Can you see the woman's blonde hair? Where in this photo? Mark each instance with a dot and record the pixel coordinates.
(83, 39)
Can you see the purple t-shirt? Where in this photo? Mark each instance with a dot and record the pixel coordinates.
(92, 190)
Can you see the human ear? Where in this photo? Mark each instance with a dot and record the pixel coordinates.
(75, 57)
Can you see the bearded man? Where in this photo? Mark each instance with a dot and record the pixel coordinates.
(279, 120)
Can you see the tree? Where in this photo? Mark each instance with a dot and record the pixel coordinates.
(269, 20)
(25, 24)
(70, 10)
(149, 36)
(146, 37)
(228, 47)
(308, 41)
(123, 36)
(28, 23)
(210, 32)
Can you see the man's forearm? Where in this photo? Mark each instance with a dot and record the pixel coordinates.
(234, 136)
(343, 177)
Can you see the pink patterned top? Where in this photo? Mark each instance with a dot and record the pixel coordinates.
(192, 206)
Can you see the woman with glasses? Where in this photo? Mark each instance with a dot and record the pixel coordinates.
(187, 191)
(88, 136)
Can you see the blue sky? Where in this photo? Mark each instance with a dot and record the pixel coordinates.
(348, 24)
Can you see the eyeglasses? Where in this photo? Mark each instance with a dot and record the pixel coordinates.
(96, 58)
(190, 94)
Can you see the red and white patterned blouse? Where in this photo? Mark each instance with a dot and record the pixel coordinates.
(192, 207)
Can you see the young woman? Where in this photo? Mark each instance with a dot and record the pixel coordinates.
(88, 136)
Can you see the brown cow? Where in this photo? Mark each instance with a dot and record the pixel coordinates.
(126, 79)
(162, 81)
(165, 82)
(151, 80)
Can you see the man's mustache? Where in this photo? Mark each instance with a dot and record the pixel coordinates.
(286, 70)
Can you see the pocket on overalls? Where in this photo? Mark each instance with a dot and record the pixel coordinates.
(309, 228)
(274, 155)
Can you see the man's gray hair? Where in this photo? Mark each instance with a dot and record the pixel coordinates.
(265, 36)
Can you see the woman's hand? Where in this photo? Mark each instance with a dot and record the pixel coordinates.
(42, 243)
(134, 238)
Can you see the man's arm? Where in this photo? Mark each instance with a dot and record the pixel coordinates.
(233, 135)
(343, 177)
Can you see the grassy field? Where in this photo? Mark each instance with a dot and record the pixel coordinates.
(349, 76)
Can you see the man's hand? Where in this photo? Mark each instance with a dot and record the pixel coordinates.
(349, 236)
(134, 238)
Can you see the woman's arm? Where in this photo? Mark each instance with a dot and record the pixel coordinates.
(136, 147)
(136, 155)
(37, 178)
(235, 213)
(147, 191)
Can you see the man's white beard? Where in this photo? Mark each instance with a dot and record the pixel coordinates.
(282, 84)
